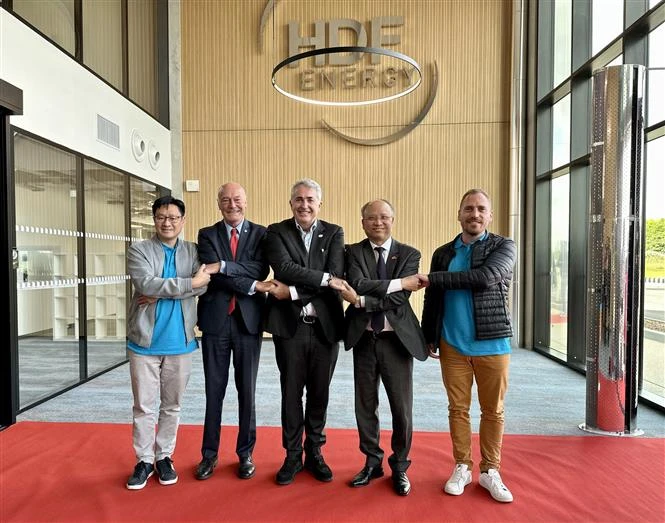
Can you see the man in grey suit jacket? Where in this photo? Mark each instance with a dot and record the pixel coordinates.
(230, 318)
(385, 336)
(305, 316)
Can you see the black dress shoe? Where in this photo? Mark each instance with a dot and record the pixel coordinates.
(317, 466)
(288, 472)
(205, 469)
(366, 474)
(246, 468)
(401, 483)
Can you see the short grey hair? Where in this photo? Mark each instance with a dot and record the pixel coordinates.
(309, 183)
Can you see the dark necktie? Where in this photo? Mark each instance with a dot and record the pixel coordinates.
(234, 248)
(379, 318)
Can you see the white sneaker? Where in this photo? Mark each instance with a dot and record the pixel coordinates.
(491, 480)
(459, 479)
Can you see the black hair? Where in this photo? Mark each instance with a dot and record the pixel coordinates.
(168, 200)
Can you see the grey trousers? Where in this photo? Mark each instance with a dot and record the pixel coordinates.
(154, 378)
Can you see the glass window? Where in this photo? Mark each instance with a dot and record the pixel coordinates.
(617, 61)
(106, 274)
(102, 39)
(559, 264)
(142, 195)
(561, 132)
(563, 10)
(656, 79)
(654, 290)
(607, 23)
(142, 59)
(54, 18)
(47, 277)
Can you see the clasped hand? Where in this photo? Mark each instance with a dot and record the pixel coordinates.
(274, 287)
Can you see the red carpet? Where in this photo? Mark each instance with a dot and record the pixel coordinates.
(77, 472)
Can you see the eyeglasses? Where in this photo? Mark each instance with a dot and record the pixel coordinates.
(172, 219)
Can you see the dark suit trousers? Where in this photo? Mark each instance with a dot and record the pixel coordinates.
(217, 351)
(305, 361)
(383, 359)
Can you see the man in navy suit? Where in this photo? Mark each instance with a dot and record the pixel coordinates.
(230, 318)
(305, 316)
(385, 336)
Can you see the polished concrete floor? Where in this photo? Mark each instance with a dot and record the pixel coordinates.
(543, 398)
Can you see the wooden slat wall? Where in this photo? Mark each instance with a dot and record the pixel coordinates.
(237, 127)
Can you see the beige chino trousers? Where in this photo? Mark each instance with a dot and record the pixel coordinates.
(154, 378)
(491, 375)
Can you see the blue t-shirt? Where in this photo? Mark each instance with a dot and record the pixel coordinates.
(168, 336)
(459, 329)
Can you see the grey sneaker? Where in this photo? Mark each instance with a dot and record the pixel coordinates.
(491, 480)
(166, 471)
(459, 479)
(142, 471)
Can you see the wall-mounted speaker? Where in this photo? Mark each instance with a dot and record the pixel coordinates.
(138, 146)
(153, 154)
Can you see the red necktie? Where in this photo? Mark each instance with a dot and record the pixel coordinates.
(234, 248)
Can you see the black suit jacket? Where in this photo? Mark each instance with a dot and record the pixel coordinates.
(250, 265)
(293, 265)
(361, 274)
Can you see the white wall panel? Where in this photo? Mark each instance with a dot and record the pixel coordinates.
(61, 101)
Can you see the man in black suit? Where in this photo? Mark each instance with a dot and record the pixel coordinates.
(305, 316)
(385, 336)
(230, 318)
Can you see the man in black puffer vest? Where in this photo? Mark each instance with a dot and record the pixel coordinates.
(467, 325)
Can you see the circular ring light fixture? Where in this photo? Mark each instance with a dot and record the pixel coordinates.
(346, 49)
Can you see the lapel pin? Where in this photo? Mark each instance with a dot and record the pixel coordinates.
(320, 235)
(393, 257)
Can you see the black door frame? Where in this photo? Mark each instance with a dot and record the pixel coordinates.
(11, 102)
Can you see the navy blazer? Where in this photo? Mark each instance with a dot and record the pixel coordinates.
(293, 265)
(250, 265)
(361, 274)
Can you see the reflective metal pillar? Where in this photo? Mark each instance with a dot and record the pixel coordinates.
(615, 263)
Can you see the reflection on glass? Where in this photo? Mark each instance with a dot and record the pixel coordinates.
(47, 285)
(563, 10)
(559, 264)
(653, 373)
(617, 61)
(142, 194)
(54, 19)
(561, 132)
(607, 23)
(102, 39)
(106, 274)
(656, 78)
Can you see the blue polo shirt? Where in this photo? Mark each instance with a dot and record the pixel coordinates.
(458, 327)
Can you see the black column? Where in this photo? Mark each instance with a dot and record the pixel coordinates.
(11, 102)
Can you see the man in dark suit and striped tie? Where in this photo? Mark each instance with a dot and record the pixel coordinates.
(385, 336)
(230, 318)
